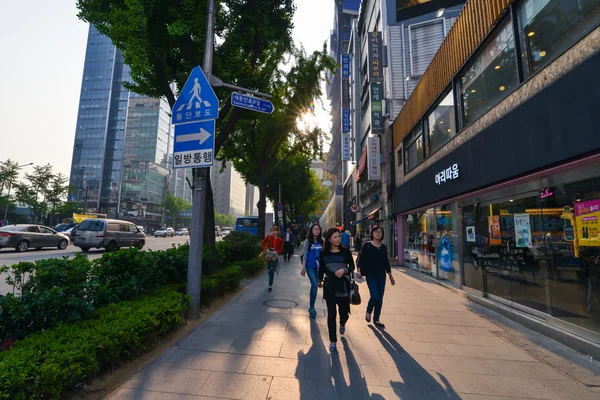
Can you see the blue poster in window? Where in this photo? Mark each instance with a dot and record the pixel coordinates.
(445, 255)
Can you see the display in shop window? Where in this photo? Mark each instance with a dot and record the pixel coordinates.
(587, 217)
(494, 230)
(471, 234)
(522, 230)
(445, 256)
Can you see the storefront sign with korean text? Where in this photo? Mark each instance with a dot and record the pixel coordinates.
(522, 230)
(345, 93)
(346, 114)
(448, 174)
(346, 147)
(373, 158)
(376, 108)
(375, 57)
(587, 218)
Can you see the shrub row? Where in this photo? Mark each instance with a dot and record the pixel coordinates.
(47, 364)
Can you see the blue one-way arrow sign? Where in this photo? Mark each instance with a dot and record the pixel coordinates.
(194, 144)
(252, 103)
(197, 100)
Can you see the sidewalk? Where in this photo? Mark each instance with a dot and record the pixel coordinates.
(262, 345)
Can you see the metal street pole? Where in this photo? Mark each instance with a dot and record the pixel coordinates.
(199, 195)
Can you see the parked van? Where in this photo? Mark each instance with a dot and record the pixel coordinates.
(110, 234)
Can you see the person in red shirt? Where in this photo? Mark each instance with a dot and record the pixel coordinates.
(273, 245)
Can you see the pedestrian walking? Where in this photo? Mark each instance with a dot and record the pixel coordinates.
(310, 264)
(273, 246)
(288, 245)
(335, 265)
(373, 263)
(358, 242)
(345, 238)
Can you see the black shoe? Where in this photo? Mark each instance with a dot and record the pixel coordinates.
(379, 324)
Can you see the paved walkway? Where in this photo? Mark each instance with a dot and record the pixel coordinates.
(434, 347)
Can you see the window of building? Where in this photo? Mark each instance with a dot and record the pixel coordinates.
(491, 75)
(399, 157)
(414, 152)
(441, 122)
(549, 27)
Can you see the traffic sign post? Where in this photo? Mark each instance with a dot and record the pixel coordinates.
(194, 144)
(354, 208)
(197, 100)
(252, 103)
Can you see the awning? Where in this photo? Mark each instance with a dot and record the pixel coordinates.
(362, 165)
(374, 213)
(357, 222)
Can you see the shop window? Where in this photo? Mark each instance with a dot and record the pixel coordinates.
(549, 27)
(447, 244)
(441, 122)
(419, 251)
(414, 152)
(491, 76)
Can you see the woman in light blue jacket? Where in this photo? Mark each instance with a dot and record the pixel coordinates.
(310, 264)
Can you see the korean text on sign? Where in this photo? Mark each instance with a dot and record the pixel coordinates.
(448, 174)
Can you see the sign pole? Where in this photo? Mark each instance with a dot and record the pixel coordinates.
(194, 277)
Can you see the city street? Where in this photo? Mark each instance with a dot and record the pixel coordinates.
(10, 256)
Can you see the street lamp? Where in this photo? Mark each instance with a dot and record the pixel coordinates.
(9, 187)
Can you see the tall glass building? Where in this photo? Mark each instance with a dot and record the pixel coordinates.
(97, 163)
(122, 155)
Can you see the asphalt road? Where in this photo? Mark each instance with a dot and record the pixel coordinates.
(10, 256)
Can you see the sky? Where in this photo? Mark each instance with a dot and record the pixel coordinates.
(43, 43)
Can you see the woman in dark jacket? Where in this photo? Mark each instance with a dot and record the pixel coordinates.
(373, 263)
(335, 265)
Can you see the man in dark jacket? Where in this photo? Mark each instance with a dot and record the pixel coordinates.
(289, 241)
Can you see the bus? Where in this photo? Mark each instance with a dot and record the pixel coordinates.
(247, 224)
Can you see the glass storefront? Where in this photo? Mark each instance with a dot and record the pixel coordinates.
(540, 250)
(537, 251)
(432, 243)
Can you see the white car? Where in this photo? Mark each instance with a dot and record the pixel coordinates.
(182, 232)
(225, 233)
(164, 232)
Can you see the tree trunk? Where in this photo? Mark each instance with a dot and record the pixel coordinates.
(209, 228)
(262, 205)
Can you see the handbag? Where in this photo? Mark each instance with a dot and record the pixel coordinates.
(355, 299)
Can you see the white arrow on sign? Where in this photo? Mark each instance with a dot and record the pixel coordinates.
(203, 136)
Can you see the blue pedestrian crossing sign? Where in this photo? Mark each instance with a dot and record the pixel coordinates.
(194, 144)
(197, 100)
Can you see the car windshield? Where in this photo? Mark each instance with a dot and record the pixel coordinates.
(91, 225)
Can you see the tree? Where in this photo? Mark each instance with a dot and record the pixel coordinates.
(261, 144)
(162, 40)
(173, 205)
(301, 189)
(43, 191)
(224, 220)
(9, 172)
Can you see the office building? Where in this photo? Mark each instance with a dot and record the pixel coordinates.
(229, 190)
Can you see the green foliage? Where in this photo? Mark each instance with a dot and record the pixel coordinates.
(226, 280)
(251, 267)
(224, 220)
(244, 246)
(52, 291)
(48, 364)
(173, 205)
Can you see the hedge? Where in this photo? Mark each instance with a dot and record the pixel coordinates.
(46, 365)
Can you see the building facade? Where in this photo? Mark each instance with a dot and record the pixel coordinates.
(122, 155)
(97, 163)
(497, 182)
(392, 43)
(229, 191)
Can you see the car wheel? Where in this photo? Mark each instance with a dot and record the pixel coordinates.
(140, 245)
(112, 246)
(63, 244)
(22, 246)
(85, 249)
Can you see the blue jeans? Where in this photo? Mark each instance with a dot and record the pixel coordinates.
(376, 289)
(271, 265)
(312, 274)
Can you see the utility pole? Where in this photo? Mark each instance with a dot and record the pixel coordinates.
(199, 189)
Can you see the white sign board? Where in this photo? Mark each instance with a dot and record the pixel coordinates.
(373, 158)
